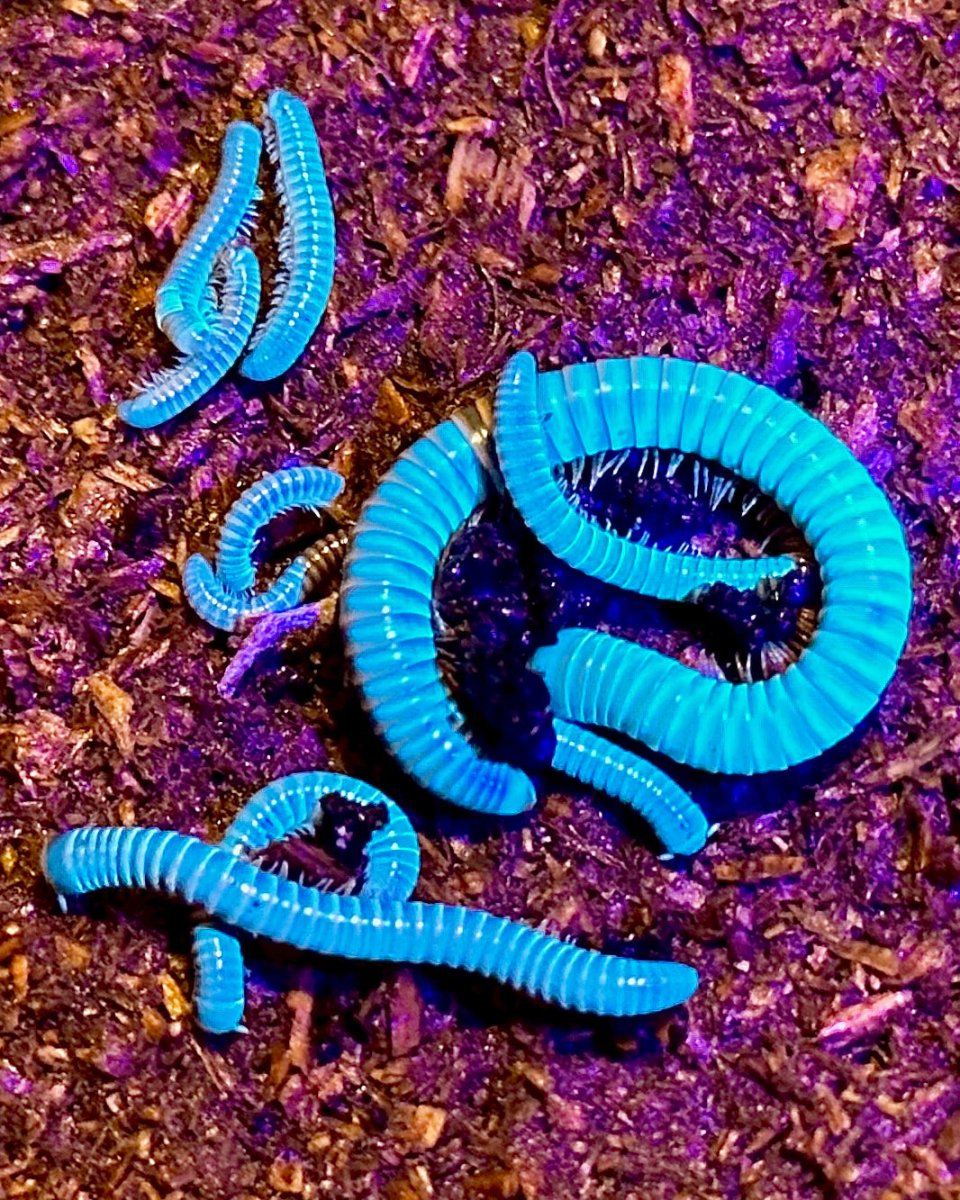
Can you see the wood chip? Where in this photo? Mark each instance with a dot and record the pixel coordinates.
(390, 404)
(174, 1001)
(301, 1003)
(864, 1020)
(767, 866)
(286, 1176)
(154, 1025)
(115, 706)
(20, 976)
(169, 213)
(597, 43)
(418, 1126)
(134, 479)
(675, 84)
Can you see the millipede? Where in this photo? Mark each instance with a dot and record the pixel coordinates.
(172, 391)
(222, 595)
(185, 306)
(857, 542)
(307, 241)
(289, 806)
(257, 902)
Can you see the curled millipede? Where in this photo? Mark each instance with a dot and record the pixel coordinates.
(173, 391)
(221, 596)
(386, 607)
(748, 429)
(287, 806)
(290, 488)
(614, 405)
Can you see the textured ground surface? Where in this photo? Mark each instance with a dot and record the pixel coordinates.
(514, 175)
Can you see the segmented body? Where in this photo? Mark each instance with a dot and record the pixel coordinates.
(279, 492)
(547, 419)
(387, 616)
(307, 242)
(288, 806)
(222, 597)
(856, 539)
(220, 607)
(257, 902)
(324, 560)
(173, 391)
(184, 306)
(386, 608)
(664, 805)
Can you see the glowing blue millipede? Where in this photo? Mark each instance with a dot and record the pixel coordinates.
(286, 807)
(594, 679)
(208, 301)
(307, 241)
(222, 597)
(858, 543)
(172, 391)
(378, 927)
(186, 310)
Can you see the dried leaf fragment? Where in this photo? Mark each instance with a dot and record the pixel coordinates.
(675, 84)
(115, 706)
(841, 179)
(20, 976)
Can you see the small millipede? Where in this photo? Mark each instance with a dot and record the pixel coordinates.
(285, 807)
(309, 488)
(222, 596)
(748, 429)
(223, 609)
(185, 309)
(387, 614)
(255, 901)
(173, 391)
(307, 242)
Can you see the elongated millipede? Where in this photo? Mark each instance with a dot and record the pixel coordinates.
(856, 539)
(307, 241)
(257, 902)
(663, 804)
(185, 309)
(173, 391)
(284, 807)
